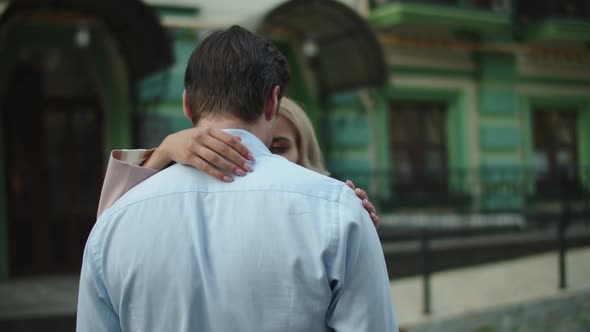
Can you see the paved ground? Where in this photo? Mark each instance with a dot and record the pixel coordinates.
(491, 285)
(453, 292)
(38, 297)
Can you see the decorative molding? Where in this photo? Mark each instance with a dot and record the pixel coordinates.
(577, 68)
(552, 90)
(435, 59)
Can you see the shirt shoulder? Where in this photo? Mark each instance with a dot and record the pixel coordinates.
(277, 173)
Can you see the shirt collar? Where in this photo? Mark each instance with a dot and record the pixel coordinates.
(253, 143)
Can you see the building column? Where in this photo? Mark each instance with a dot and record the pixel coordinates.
(499, 134)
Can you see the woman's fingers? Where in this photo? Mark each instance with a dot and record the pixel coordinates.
(216, 160)
(214, 147)
(372, 212)
(375, 220)
(234, 149)
(226, 157)
(206, 167)
(368, 206)
(362, 195)
(350, 184)
(210, 150)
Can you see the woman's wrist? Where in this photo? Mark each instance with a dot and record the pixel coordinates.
(159, 159)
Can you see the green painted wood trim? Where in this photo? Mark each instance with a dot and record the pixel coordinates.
(391, 14)
(559, 29)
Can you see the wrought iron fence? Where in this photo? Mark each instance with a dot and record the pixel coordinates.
(483, 190)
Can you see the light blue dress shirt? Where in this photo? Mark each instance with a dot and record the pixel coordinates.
(281, 249)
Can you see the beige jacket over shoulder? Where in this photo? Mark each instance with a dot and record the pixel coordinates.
(123, 173)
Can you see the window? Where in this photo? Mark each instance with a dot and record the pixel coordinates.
(418, 150)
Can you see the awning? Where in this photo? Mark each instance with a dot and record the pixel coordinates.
(342, 49)
(135, 27)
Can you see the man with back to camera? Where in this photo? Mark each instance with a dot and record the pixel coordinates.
(283, 249)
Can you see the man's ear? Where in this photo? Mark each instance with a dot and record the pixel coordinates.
(185, 108)
(271, 106)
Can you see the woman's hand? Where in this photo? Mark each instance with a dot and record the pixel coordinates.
(205, 148)
(366, 203)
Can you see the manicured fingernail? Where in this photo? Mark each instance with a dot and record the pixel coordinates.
(228, 179)
(251, 157)
(248, 168)
(240, 172)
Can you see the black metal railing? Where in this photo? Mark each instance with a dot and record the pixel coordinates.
(483, 190)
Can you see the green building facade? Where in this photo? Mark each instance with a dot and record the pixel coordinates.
(486, 106)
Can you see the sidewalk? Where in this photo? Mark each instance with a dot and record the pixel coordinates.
(39, 297)
(490, 285)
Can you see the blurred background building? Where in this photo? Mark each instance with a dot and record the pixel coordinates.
(437, 107)
(485, 104)
(471, 105)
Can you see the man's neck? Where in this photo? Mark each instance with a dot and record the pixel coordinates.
(229, 122)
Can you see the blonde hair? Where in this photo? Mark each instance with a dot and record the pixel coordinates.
(310, 155)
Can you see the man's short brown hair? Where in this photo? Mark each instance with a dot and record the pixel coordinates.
(233, 72)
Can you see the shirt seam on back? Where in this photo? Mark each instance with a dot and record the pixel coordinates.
(111, 213)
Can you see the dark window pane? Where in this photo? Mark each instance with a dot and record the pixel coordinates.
(418, 149)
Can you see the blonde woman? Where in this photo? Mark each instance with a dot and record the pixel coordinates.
(294, 139)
